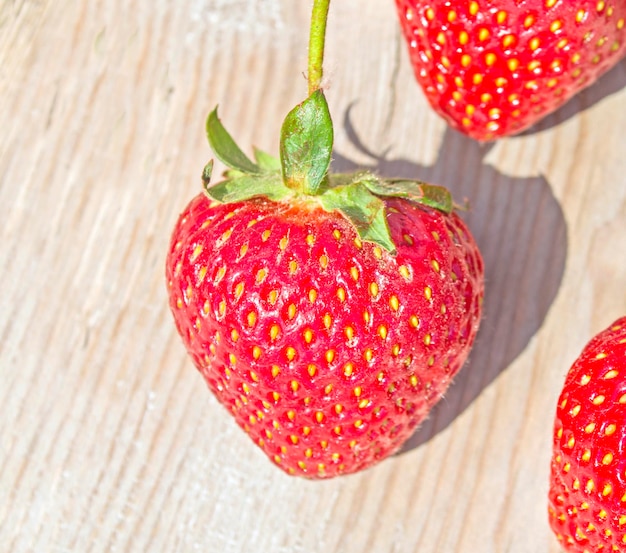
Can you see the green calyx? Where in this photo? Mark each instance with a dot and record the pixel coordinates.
(302, 174)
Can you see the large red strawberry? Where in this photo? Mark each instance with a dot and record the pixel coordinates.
(492, 69)
(587, 501)
(328, 313)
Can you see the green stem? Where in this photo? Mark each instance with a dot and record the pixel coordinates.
(317, 39)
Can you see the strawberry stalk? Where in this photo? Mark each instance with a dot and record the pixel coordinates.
(317, 40)
(301, 174)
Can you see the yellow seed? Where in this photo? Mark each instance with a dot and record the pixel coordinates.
(428, 293)
(404, 272)
(291, 310)
(239, 290)
(274, 332)
(463, 37)
(373, 289)
(232, 359)
(382, 331)
(328, 321)
(341, 294)
(293, 267)
(338, 408)
(243, 250)
(328, 389)
(308, 452)
(290, 353)
(310, 239)
(607, 459)
(610, 429)
(611, 374)
(364, 403)
(275, 370)
(413, 380)
(466, 60)
(394, 303)
(473, 8)
(251, 319)
(607, 489)
(348, 369)
(556, 25)
(330, 355)
(477, 78)
(529, 21)
(378, 253)
(319, 416)
(585, 379)
(590, 427)
(256, 352)
(337, 234)
(261, 275)
(501, 16)
(272, 297)
(284, 241)
(295, 385)
(534, 43)
(414, 321)
(598, 400)
(490, 58)
(368, 355)
(324, 261)
(357, 391)
(349, 332)
(483, 34)
(291, 415)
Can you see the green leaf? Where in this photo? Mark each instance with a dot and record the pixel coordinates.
(249, 186)
(306, 144)
(266, 161)
(431, 195)
(225, 148)
(363, 209)
(207, 172)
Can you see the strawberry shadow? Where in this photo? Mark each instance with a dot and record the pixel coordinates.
(521, 232)
(610, 83)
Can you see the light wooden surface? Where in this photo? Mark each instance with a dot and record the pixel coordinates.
(109, 439)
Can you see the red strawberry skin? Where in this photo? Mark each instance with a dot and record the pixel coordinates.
(492, 69)
(326, 350)
(587, 498)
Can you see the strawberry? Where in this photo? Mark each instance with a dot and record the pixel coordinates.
(327, 312)
(587, 498)
(492, 69)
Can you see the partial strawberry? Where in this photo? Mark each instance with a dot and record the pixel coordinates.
(587, 500)
(327, 312)
(492, 69)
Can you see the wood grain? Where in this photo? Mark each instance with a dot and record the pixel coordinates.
(109, 440)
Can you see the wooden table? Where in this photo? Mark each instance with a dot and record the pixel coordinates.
(109, 440)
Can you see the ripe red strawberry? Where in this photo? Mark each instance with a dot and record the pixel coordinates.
(328, 313)
(492, 69)
(587, 501)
